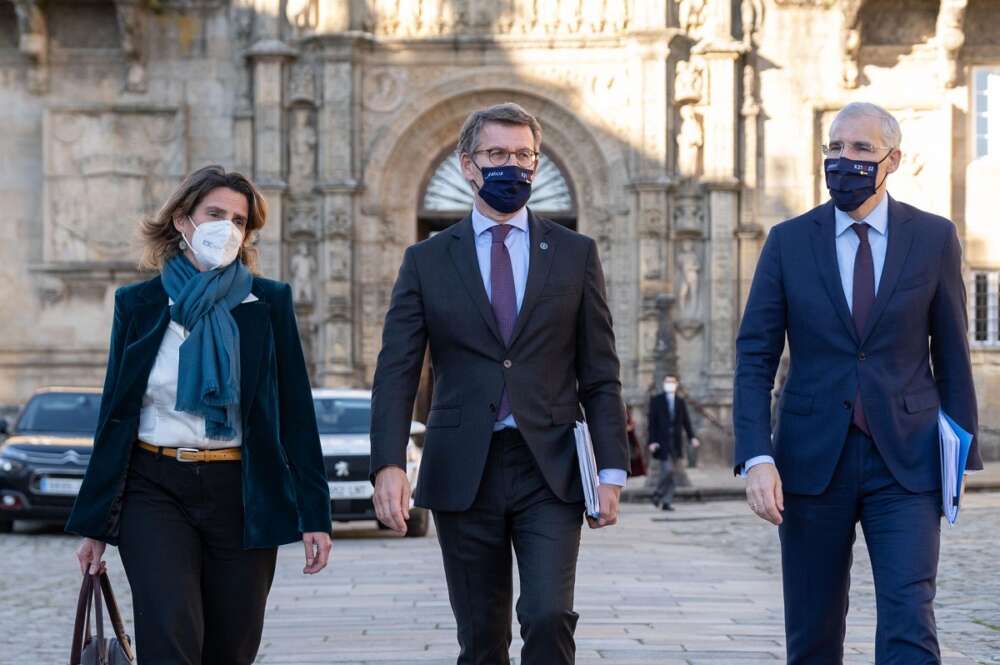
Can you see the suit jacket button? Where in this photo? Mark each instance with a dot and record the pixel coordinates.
(862, 356)
(507, 364)
(847, 404)
(493, 408)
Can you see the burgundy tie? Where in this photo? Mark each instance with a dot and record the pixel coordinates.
(503, 296)
(862, 301)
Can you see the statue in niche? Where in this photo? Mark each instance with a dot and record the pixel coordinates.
(33, 32)
(302, 268)
(688, 82)
(691, 17)
(302, 145)
(690, 140)
(950, 34)
(689, 267)
(750, 106)
(303, 15)
(339, 257)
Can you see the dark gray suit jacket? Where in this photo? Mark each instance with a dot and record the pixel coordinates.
(561, 354)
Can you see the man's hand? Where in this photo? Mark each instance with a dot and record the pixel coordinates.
(607, 496)
(695, 443)
(318, 546)
(654, 446)
(764, 492)
(392, 498)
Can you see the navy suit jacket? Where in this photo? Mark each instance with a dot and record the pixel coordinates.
(285, 492)
(912, 357)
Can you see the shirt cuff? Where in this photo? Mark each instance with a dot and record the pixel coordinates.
(612, 477)
(754, 461)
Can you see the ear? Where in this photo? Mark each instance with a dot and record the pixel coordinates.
(178, 220)
(469, 169)
(895, 157)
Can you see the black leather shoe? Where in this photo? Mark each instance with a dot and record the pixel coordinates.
(666, 506)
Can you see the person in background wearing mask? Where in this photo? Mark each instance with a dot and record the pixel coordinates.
(669, 423)
(207, 454)
(869, 292)
(514, 309)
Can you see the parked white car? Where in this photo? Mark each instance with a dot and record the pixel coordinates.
(344, 418)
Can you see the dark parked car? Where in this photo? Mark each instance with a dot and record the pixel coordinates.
(344, 418)
(45, 454)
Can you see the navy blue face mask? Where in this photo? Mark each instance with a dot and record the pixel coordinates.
(851, 181)
(506, 189)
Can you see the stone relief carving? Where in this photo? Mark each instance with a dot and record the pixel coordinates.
(950, 35)
(383, 89)
(751, 105)
(339, 254)
(688, 214)
(751, 20)
(103, 171)
(338, 223)
(33, 42)
(130, 26)
(691, 17)
(688, 82)
(428, 18)
(303, 218)
(302, 269)
(651, 257)
(302, 152)
(302, 15)
(302, 84)
(851, 42)
(690, 140)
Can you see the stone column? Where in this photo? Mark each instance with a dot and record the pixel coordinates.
(338, 128)
(268, 57)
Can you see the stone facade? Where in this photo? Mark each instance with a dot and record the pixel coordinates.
(684, 129)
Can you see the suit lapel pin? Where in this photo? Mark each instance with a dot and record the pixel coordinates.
(543, 245)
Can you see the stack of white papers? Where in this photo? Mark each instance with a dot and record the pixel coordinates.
(588, 468)
(955, 444)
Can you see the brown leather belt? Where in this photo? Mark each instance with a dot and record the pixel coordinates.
(194, 454)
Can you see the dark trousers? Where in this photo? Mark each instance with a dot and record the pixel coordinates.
(902, 531)
(198, 596)
(665, 483)
(514, 507)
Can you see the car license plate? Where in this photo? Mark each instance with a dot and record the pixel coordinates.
(61, 486)
(361, 489)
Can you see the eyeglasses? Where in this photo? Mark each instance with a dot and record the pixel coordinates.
(861, 148)
(524, 157)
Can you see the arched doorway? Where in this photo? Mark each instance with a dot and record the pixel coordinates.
(447, 197)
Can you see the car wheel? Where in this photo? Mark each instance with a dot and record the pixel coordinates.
(416, 526)
(6, 526)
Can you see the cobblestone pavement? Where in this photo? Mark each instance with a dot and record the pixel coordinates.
(699, 586)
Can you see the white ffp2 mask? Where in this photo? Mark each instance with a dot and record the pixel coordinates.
(216, 244)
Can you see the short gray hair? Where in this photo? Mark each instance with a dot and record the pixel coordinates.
(507, 113)
(891, 133)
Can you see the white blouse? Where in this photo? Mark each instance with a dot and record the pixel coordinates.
(159, 423)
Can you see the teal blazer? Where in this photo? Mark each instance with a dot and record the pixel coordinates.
(285, 491)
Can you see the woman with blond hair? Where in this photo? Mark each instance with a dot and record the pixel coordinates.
(207, 455)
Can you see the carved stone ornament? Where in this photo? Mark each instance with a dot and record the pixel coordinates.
(302, 270)
(302, 84)
(303, 218)
(302, 152)
(950, 36)
(690, 140)
(34, 42)
(688, 279)
(851, 41)
(384, 89)
(689, 214)
(130, 26)
(688, 82)
(691, 15)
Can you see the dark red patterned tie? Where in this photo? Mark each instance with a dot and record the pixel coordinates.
(503, 296)
(861, 305)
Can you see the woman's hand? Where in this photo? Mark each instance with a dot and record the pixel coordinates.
(318, 546)
(90, 554)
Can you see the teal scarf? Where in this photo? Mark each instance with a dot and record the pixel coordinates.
(208, 380)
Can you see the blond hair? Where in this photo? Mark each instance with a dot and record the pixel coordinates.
(161, 240)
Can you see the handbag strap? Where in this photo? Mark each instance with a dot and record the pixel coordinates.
(82, 623)
(115, 616)
(102, 646)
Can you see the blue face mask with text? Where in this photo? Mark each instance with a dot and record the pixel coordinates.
(851, 181)
(506, 189)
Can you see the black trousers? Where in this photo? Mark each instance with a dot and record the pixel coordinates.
(198, 596)
(903, 534)
(666, 483)
(514, 507)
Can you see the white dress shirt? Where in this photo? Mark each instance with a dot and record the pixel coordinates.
(519, 247)
(159, 423)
